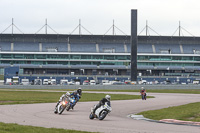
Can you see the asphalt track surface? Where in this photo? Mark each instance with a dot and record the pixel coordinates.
(116, 122)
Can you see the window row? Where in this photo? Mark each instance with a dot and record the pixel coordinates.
(97, 63)
(63, 63)
(169, 58)
(54, 56)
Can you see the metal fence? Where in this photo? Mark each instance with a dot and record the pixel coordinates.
(104, 87)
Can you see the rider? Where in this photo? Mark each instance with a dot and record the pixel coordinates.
(102, 102)
(143, 93)
(76, 97)
(79, 91)
(63, 95)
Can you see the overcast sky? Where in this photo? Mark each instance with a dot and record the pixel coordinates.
(97, 16)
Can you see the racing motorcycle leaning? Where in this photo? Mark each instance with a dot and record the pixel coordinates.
(101, 112)
(72, 103)
(64, 103)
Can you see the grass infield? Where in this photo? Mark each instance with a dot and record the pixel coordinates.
(15, 128)
(186, 91)
(188, 112)
(27, 97)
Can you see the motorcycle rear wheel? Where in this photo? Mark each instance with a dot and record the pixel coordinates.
(68, 107)
(103, 115)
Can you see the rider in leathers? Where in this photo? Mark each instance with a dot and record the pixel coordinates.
(79, 91)
(64, 95)
(76, 97)
(102, 102)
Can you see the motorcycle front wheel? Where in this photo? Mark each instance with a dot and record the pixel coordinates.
(56, 110)
(61, 108)
(103, 115)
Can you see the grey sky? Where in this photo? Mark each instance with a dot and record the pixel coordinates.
(97, 15)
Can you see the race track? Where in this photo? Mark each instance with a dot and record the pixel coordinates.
(116, 122)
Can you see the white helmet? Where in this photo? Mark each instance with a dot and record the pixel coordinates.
(108, 97)
(67, 93)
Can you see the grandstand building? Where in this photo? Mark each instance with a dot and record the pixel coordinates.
(97, 55)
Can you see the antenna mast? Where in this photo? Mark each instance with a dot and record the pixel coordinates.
(46, 27)
(79, 26)
(146, 27)
(12, 25)
(113, 27)
(179, 33)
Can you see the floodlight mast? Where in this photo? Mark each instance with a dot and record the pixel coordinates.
(134, 41)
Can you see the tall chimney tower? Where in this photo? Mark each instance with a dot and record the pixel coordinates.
(134, 41)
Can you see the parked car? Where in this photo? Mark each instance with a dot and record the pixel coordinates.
(25, 82)
(119, 83)
(45, 81)
(63, 82)
(38, 82)
(92, 82)
(71, 83)
(86, 82)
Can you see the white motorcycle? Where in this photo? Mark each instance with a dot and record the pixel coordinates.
(101, 112)
(64, 103)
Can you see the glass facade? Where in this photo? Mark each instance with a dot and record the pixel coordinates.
(168, 58)
(95, 59)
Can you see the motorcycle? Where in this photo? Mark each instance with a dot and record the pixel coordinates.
(72, 103)
(64, 103)
(101, 112)
(144, 96)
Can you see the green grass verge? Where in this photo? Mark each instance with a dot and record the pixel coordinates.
(26, 97)
(186, 91)
(1, 77)
(188, 112)
(15, 128)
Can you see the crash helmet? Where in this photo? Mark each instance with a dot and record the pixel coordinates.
(108, 97)
(67, 94)
(142, 88)
(79, 90)
(75, 92)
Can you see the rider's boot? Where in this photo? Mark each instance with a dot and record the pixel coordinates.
(57, 104)
(94, 110)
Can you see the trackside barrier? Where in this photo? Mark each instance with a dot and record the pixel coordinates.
(106, 87)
